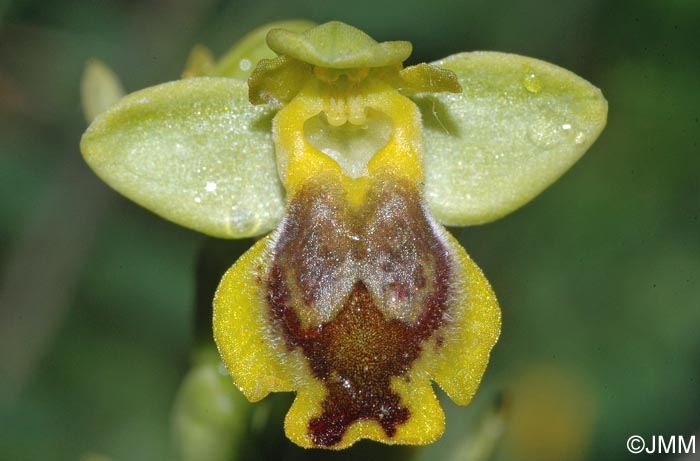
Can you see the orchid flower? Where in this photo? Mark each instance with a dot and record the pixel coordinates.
(350, 164)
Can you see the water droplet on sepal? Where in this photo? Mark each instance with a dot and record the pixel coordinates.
(532, 83)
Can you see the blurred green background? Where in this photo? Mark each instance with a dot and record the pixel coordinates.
(598, 278)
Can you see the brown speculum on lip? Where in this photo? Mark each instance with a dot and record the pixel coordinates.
(358, 291)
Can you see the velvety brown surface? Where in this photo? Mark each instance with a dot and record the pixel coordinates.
(358, 292)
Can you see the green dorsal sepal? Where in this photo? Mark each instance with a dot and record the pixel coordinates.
(337, 46)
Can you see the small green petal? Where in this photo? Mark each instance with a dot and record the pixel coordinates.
(241, 59)
(193, 151)
(337, 46)
(518, 125)
(428, 78)
(278, 80)
(100, 89)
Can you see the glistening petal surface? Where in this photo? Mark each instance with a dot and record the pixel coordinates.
(193, 151)
(517, 126)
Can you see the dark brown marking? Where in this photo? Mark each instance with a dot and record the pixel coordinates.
(358, 292)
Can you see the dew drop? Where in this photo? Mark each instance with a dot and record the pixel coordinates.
(532, 83)
(245, 65)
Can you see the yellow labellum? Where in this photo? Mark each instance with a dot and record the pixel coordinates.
(359, 298)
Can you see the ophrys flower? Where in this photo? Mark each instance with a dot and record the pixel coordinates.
(359, 298)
